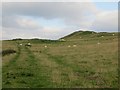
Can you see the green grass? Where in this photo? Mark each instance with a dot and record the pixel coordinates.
(88, 65)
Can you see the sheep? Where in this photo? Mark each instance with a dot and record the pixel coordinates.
(20, 44)
(102, 36)
(28, 44)
(69, 46)
(113, 34)
(74, 45)
(98, 43)
(62, 39)
(45, 46)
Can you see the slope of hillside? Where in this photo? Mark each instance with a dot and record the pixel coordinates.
(87, 35)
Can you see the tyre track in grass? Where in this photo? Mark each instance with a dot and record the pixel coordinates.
(23, 72)
(42, 80)
(56, 69)
(8, 67)
(14, 59)
(51, 69)
(62, 74)
(66, 71)
(61, 69)
(10, 71)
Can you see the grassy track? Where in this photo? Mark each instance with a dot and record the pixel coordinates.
(23, 72)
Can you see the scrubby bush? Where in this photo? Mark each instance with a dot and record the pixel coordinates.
(43, 41)
(17, 39)
(8, 51)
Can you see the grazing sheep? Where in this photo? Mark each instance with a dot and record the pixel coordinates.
(62, 39)
(98, 43)
(102, 36)
(69, 46)
(113, 34)
(45, 46)
(28, 44)
(20, 44)
(74, 45)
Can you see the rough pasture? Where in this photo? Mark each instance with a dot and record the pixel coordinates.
(60, 65)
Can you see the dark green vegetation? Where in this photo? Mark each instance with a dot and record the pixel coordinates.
(84, 59)
(7, 52)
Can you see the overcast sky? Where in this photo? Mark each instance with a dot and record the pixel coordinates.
(52, 20)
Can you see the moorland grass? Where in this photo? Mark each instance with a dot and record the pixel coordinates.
(88, 65)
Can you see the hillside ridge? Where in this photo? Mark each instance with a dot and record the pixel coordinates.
(86, 34)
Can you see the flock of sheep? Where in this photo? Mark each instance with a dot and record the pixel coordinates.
(29, 44)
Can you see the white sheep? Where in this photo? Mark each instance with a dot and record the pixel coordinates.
(102, 36)
(20, 44)
(62, 39)
(29, 44)
(113, 34)
(45, 46)
(98, 43)
(69, 46)
(74, 45)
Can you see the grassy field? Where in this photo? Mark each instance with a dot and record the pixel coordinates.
(82, 60)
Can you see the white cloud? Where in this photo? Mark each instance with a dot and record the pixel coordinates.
(17, 21)
(71, 12)
(11, 33)
(27, 23)
(51, 30)
(106, 21)
(46, 33)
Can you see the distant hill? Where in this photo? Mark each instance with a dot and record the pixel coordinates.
(87, 34)
(73, 36)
